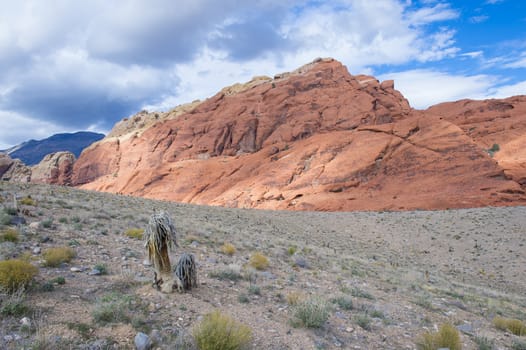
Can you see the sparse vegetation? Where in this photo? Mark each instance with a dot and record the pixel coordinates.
(258, 261)
(136, 233)
(515, 326)
(344, 302)
(54, 257)
(518, 345)
(12, 303)
(47, 223)
(118, 308)
(484, 343)
(446, 337)
(311, 313)
(102, 268)
(16, 274)
(221, 332)
(28, 201)
(232, 272)
(228, 249)
(293, 298)
(364, 321)
(9, 235)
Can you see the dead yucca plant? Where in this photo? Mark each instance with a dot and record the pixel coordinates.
(186, 271)
(160, 236)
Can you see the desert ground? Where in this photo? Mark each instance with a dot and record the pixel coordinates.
(385, 277)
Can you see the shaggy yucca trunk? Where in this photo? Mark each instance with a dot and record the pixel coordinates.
(186, 271)
(159, 237)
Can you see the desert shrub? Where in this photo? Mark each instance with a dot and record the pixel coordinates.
(484, 343)
(5, 219)
(102, 268)
(344, 302)
(228, 249)
(494, 148)
(311, 313)
(358, 293)
(48, 223)
(446, 337)
(47, 287)
(28, 201)
(136, 233)
(518, 345)
(232, 272)
(254, 289)
(243, 298)
(10, 211)
(291, 250)
(9, 235)
(53, 257)
(515, 326)
(117, 307)
(59, 280)
(364, 321)
(221, 332)
(12, 302)
(258, 261)
(16, 274)
(293, 298)
(63, 220)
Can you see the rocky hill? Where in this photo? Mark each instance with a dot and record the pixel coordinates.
(56, 168)
(317, 138)
(33, 151)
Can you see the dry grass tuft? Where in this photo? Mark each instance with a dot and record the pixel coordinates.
(228, 249)
(136, 233)
(446, 337)
(294, 298)
(53, 257)
(258, 261)
(311, 313)
(9, 235)
(513, 325)
(221, 332)
(16, 274)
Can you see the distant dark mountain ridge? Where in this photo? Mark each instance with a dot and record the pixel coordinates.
(33, 151)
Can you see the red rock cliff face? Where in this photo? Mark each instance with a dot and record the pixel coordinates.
(315, 139)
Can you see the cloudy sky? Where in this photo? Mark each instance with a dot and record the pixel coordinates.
(83, 65)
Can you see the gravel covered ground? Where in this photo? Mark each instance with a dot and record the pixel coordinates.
(404, 272)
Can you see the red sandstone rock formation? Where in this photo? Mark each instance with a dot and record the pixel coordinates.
(493, 122)
(314, 139)
(13, 169)
(55, 168)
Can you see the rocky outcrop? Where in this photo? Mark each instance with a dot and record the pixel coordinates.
(317, 138)
(13, 169)
(55, 168)
(498, 126)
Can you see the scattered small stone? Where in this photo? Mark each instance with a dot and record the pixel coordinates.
(146, 262)
(301, 262)
(95, 272)
(76, 269)
(34, 225)
(349, 329)
(37, 250)
(211, 260)
(142, 341)
(156, 336)
(18, 220)
(194, 244)
(25, 322)
(466, 328)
